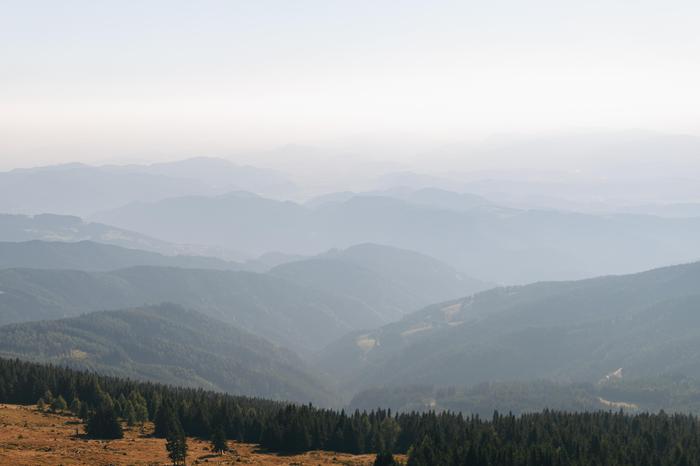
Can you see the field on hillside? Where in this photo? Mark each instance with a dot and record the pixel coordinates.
(30, 437)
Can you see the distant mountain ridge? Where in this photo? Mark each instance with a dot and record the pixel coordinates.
(428, 197)
(61, 188)
(499, 245)
(92, 256)
(69, 228)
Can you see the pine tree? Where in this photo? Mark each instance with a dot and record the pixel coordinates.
(120, 405)
(129, 413)
(389, 431)
(166, 420)
(176, 445)
(75, 406)
(58, 404)
(41, 404)
(103, 424)
(140, 406)
(384, 459)
(84, 411)
(218, 440)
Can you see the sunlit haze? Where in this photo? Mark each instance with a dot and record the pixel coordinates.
(384, 81)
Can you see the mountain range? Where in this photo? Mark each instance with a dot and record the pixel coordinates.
(69, 228)
(507, 246)
(360, 287)
(61, 189)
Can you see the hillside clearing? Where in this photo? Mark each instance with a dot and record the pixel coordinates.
(30, 437)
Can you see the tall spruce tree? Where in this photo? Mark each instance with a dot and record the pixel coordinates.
(58, 404)
(218, 440)
(385, 459)
(75, 406)
(166, 420)
(103, 423)
(176, 445)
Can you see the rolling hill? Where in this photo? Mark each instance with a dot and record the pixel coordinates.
(577, 331)
(390, 280)
(167, 344)
(279, 310)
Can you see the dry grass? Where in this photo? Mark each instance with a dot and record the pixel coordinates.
(29, 437)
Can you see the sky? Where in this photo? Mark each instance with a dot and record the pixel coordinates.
(97, 81)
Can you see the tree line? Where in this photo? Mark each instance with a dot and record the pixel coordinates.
(547, 438)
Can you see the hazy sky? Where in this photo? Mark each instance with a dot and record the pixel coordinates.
(98, 80)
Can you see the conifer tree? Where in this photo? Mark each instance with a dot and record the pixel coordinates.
(140, 406)
(120, 405)
(103, 424)
(218, 440)
(58, 404)
(129, 414)
(84, 411)
(48, 397)
(384, 459)
(75, 406)
(176, 445)
(166, 420)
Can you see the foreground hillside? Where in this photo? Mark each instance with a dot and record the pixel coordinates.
(537, 439)
(167, 344)
(30, 437)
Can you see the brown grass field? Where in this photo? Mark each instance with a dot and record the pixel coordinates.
(30, 437)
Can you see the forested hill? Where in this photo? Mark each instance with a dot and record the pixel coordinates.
(279, 310)
(168, 344)
(646, 323)
(392, 281)
(541, 439)
(383, 283)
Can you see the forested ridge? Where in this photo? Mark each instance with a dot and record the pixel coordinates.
(170, 345)
(545, 438)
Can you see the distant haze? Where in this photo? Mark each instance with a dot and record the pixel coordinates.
(387, 82)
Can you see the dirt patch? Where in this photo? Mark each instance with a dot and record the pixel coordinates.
(417, 329)
(617, 404)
